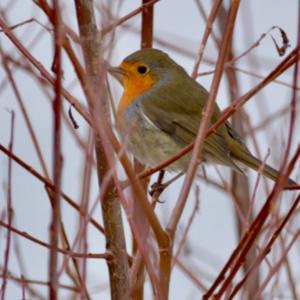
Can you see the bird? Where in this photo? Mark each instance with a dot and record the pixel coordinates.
(160, 111)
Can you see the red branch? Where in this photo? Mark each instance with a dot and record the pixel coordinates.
(57, 156)
(9, 211)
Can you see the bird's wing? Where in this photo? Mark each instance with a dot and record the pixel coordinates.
(177, 112)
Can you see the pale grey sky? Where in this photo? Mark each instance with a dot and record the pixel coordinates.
(213, 234)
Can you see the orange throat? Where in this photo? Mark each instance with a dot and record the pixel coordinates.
(133, 87)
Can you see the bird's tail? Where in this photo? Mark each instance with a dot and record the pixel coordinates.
(246, 158)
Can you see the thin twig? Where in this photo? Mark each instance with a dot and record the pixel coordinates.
(238, 255)
(48, 184)
(209, 24)
(44, 73)
(48, 246)
(127, 17)
(188, 226)
(9, 210)
(202, 132)
(275, 268)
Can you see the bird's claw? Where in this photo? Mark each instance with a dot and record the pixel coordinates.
(157, 187)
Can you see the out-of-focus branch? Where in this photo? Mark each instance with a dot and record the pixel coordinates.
(111, 210)
(202, 132)
(57, 156)
(210, 21)
(29, 237)
(239, 184)
(27, 282)
(204, 125)
(145, 5)
(9, 211)
(275, 269)
(48, 184)
(44, 73)
(238, 256)
(137, 273)
(12, 81)
(267, 248)
(147, 24)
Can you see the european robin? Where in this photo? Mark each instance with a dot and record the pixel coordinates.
(160, 112)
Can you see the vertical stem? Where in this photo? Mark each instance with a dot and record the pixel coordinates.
(84, 206)
(9, 212)
(241, 193)
(147, 24)
(239, 184)
(57, 159)
(111, 210)
(204, 125)
(207, 113)
(146, 42)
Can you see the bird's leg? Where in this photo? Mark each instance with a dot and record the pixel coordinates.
(157, 186)
(160, 187)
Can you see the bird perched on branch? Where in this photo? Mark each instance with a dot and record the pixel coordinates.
(160, 112)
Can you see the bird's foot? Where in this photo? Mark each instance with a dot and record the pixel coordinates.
(157, 187)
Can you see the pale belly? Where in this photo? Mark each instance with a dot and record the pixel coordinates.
(152, 146)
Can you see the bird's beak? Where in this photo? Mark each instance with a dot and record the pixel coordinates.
(117, 73)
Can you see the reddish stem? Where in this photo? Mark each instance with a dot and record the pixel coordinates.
(57, 156)
(9, 211)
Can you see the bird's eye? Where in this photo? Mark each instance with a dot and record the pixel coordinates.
(142, 69)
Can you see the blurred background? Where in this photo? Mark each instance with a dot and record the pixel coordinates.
(215, 227)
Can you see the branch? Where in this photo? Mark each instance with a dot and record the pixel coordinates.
(237, 258)
(111, 210)
(29, 237)
(209, 23)
(207, 113)
(9, 211)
